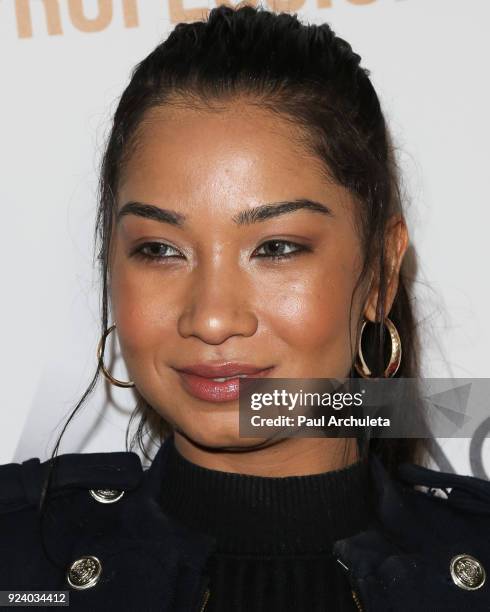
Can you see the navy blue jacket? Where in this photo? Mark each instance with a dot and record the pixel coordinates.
(149, 562)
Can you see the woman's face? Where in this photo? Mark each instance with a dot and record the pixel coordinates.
(209, 290)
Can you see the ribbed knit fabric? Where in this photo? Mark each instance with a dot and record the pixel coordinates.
(273, 535)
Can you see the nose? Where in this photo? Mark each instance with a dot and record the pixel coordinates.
(217, 305)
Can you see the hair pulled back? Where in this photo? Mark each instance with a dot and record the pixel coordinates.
(306, 75)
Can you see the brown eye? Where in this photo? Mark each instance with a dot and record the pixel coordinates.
(279, 249)
(155, 251)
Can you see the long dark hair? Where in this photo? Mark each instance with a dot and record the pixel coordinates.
(311, 77)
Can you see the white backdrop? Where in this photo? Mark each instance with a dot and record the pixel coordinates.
(63, 65)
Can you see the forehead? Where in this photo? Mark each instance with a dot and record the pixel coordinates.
(236, 152)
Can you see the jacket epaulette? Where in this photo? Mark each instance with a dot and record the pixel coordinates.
(428, 546)
(21, 484)
(467, 493)
(100, 539)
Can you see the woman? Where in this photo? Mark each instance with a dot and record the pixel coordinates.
(250, 224)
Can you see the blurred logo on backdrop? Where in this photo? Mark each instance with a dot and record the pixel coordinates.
(36, 17)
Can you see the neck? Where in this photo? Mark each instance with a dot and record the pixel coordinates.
(285, 457)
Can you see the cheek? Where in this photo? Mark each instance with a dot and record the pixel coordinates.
(140, 306)
(313, 312)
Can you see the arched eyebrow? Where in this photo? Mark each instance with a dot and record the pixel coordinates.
(245, 217)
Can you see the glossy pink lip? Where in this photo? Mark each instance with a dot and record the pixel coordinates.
(197, 380)
(221, 370)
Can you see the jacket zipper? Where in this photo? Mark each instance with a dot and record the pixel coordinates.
(207, 593)
(357, 601)
(205, 599)
(355, 595)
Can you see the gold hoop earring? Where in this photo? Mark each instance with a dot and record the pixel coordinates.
(396, 353)
(100, 359)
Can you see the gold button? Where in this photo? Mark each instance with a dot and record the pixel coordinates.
(84, 573)
(467, 572)
(106, 496)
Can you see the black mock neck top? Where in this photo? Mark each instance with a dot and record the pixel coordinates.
(273, 534)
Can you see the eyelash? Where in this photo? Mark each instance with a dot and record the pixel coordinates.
(140, 254)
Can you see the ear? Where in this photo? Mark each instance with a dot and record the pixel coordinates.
(396, 243)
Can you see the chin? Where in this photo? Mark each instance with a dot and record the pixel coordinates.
(224, 436)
